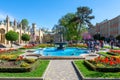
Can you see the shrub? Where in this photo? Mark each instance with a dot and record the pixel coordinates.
(25, 37)
(118, 37)
(100, 65)
(7, 57)
(24, 64)
(11, 36)
(30, 60)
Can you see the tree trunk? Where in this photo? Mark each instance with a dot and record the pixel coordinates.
(79, 32)
(11, 44)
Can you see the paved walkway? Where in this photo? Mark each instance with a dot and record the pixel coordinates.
(61, 70)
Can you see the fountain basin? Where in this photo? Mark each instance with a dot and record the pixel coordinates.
(52, 51)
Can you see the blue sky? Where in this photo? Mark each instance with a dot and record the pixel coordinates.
(46, 13)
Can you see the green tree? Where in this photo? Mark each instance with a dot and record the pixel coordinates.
(68, 27)
(102, 38)
(24, 23)
(11, 36)
(97, 36)
(83, 17)
(74, 24)
(118, 37)
(25, 37)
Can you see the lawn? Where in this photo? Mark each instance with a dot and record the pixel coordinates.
(105, 54)
(36, 73)
(17, 52)
(109, 47)
(87, 73)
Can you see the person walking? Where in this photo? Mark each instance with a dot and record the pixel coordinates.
(112, 44)
(96, 45)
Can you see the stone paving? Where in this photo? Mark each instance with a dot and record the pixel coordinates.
(61, 70)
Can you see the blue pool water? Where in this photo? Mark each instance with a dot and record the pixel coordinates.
(64, 52)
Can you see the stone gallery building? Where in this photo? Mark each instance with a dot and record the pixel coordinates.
(7, 25)
(107, 28)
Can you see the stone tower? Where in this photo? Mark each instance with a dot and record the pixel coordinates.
(33, 32)
(34, 28)
(20, 32)
(40, 35)
(7, 23)
(15, 25)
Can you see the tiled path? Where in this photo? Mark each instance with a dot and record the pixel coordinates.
(61, 70)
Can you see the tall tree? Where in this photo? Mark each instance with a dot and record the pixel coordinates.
(24, 23)
(68, 27)
(83, 17)
(75, 23)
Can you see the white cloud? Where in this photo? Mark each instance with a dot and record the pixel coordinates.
(4, 15)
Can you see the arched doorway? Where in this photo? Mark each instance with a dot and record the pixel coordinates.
(2, 36)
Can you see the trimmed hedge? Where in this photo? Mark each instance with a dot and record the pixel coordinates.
(111, 53)
(17, 70)
(101, 69)
(89, 65)
(20, 69)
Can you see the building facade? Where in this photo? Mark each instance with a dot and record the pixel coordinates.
(107, 28)
(7, 25)
(92, 30)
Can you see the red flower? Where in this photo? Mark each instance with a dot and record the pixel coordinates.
(106, 60)
(20, 58)
(112, 63)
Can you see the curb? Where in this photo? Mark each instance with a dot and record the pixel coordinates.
(46, 71)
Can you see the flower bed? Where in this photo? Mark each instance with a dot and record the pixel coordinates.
(29, 46)
(117, 52)
(8, 64)
(88, 74)
(37, 74)
(106, 64)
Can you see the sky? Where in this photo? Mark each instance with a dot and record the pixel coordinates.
(46, 13)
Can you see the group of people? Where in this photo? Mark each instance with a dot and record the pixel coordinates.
(94, 45)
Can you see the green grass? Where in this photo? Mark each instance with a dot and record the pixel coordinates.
(109, 47)
(16, 53)
(105, 54)
(36, 73)
(87, 73)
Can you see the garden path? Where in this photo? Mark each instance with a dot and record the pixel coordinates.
(61, 70)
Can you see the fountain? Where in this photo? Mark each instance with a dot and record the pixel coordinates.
(60, 45)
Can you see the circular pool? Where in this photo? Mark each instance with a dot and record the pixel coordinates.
(64, 52)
